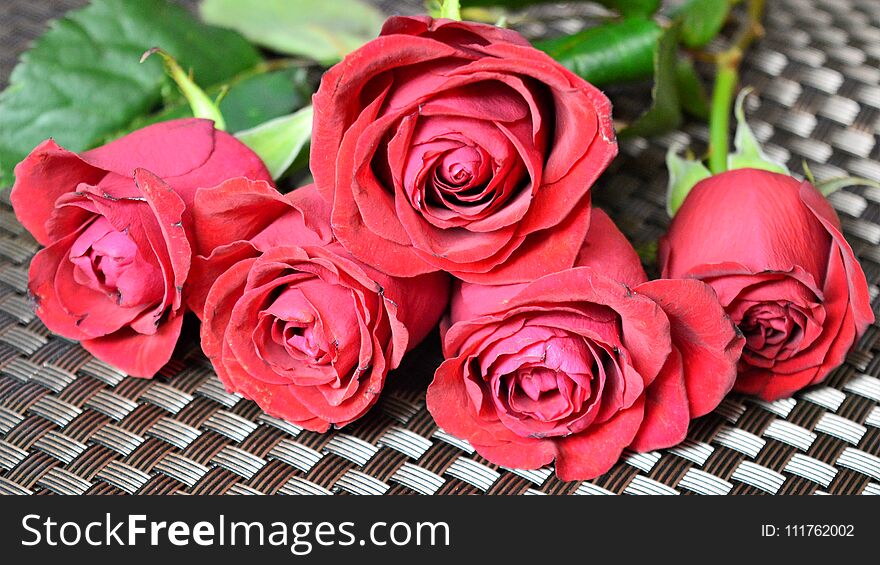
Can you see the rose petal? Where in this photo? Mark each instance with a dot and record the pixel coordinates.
(168, 208)
(219, 302)
(230, 158)
(855, 276)
(206, 271)
(452, 410)
(235, 210)
(704, 336)
(594, 451)
(540, 253)
(41, 286)
(169, 149)
(339, 86)
(137, 354)
(467, 34)
(666, 409)
(48, 172)
(531, 455)
(608, 251)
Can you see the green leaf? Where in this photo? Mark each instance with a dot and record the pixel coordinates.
(626, 8)
(450, 9)
(701, 20)
(251, 99)
(684, 174)
(691, 91)
(665, 111)
(323, 30)
(748, 154)
(81, 80)
(632, 7)
(610, 53)
(279, 141)
(830, 186)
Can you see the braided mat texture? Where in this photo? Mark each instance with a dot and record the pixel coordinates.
(69, 424)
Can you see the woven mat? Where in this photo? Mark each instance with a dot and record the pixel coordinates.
(70, 424)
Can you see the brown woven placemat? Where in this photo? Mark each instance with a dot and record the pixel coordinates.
(70, 424)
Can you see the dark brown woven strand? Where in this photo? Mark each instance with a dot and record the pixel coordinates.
(70, 424)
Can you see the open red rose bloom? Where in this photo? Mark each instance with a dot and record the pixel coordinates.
(772, 249)
(289, 318)
(456, 146)
(580, 364)
(114, 221)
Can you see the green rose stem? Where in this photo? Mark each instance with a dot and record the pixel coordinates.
(726, 78)
(201, 104)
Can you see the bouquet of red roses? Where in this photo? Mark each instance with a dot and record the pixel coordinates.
(452, 164)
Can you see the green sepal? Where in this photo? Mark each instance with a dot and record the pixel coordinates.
(278, 142)
(684, 174)
(748, 154)
(201, 104)
(830, 186)
(450, 9)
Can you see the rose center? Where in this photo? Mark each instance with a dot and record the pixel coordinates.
(468, 152)
(546, 395)
(107, 260)
(459, 169)
(772, 331)
(309, 333)
(301, 341)
(546, 382)
(295, 329)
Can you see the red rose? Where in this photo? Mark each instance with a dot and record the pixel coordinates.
(113, 222)
(289, 318)
(580, 364)
(771, 248)
(456, 146)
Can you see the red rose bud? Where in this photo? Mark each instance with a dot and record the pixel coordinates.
(456, 146)
(772, 249)
(580, 364)
(114, 223)
(289, 318)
